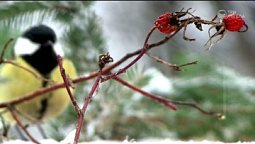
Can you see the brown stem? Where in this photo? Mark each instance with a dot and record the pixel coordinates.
(174, 66)
(194, 106)
(187, 64)
(14, 115)
(184, 33)
(67, 84)
(159, 99)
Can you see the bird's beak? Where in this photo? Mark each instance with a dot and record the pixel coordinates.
(49, 43)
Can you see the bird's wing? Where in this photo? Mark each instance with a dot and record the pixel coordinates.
(16, 83)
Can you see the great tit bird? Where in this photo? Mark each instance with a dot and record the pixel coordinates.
(36, 50)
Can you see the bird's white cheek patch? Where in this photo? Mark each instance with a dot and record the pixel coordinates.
(24, 46)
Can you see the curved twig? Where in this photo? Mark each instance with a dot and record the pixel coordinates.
(246, 28)
(4, 49)
(14, 115)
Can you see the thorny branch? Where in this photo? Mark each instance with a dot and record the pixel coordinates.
(67, 85)
(102, 61)
(84, 108)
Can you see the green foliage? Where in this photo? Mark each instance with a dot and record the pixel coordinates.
(86, 41)
(5, 36)
(17, 16)
(205, 65)
(20, 8)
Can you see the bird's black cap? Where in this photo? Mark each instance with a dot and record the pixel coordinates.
(40, 34)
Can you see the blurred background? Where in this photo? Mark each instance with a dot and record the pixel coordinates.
(222, 81)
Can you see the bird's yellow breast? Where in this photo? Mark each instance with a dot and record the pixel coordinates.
(16, 82)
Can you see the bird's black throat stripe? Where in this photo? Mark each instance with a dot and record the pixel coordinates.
(43, 108)
(44, 60)
(44, 103)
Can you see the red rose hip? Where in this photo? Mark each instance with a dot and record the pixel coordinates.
(162, 23)
(233, 22)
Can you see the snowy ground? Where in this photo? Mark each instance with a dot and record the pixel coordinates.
(49, 141)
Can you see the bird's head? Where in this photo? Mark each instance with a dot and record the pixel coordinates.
(38, 46)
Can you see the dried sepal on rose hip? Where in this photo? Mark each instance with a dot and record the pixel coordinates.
(231, 23)
(163, 23)
(234, 22)
(168, 23)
